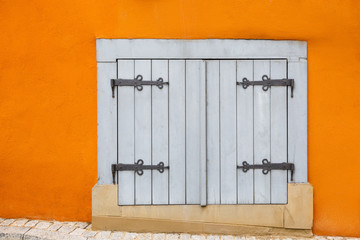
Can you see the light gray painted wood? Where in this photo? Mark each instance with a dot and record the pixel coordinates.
(107, 122)
(160, 132)
(213, 130)
(295, 52)
(245, 132)
(203, 133)
(297, 120)
(228, 169)
(143, 133)
(111, 49)
(261, 132)
(278, 132)
(177, 146)
(126, 133)
(194, 72)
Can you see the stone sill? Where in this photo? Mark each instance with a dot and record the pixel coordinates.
(294, 218)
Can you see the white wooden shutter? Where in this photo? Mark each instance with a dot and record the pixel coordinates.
(162, 125)
(202, 125)
(245, 125)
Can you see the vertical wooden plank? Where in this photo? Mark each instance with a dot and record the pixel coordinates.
(107, 122)
(228, 132)
(278, 124)
(213, 130)
(177, 132)
(160, 129)
(297, 119)
(193, 76)
(203, 134)
(126, 133)
(245, 132)
(261, 132)
(143, 133)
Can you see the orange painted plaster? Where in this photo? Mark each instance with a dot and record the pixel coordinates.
(48, 92)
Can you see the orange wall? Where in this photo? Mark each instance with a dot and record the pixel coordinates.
(48, 92)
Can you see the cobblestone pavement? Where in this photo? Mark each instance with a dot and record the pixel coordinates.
(25, 229)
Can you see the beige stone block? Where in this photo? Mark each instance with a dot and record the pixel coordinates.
(298, 213)
(212, 219)
(104, 203)
(105, 200)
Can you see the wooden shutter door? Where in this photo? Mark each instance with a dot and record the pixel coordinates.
(162, 125)
(245, 125)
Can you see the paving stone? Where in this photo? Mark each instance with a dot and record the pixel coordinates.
(7, 222)
(55, 226)
(89, 227)
(31, 223)
(214, 237)
(159, 236)
(103, 235)
(240, 238)
(12, 232)
(43, 225)
(227, 237)
(40, 234)
(117, 235)
(11, 229)
(66, 229)
(172, 236)
(185, 236)
(89, 234)
(19, 222)
(198, 237)
(78, 231)
(81, 224)
(69, 223)
(130, 236)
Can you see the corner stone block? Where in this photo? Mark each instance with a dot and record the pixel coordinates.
(298, 214)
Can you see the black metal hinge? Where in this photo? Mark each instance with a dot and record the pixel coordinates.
(267, 83)
(138, 167)
(267, 166)
(136, 82)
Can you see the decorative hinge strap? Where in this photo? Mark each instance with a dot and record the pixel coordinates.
(267, 83)
(138, 167)
(267, 166)
(137, 82)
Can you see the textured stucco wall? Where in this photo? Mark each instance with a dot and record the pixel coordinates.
(48, 92)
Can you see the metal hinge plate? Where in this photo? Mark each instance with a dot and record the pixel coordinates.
(267, 83)
(267, 166)
(138, 167)
(137, 82)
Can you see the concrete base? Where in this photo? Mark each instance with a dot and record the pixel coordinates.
(294, 218)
